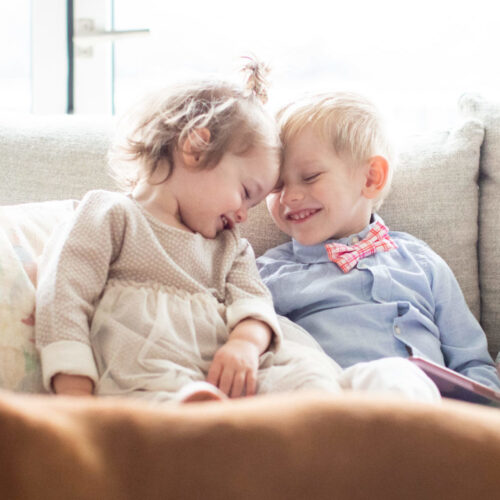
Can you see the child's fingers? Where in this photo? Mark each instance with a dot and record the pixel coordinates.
(251, 383)
(226, 380)
(214, 373)
(238, 384)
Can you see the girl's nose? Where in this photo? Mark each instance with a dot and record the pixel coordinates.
(241, 215)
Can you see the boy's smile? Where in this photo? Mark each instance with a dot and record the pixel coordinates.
(320, 195)
(300, 215)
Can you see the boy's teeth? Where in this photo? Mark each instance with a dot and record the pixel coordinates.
(301, 215)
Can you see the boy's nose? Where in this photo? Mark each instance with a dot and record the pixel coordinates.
(291, 194)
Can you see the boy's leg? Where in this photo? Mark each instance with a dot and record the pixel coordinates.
(397, 376)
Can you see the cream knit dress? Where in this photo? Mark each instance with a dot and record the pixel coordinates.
(141, 307)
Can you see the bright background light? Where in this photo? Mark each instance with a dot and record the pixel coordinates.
(414, 59)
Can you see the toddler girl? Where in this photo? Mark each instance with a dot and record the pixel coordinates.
(151, 292)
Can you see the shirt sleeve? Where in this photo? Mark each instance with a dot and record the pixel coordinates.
(72, 273)
(463, 341)
(270, 272)
(247, 296)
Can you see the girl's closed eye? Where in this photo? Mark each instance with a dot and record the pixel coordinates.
(312, 177)
(277, 188)
(246, 192)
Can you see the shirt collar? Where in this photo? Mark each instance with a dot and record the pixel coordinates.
(312, 254)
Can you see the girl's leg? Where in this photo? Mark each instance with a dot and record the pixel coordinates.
(195, 392)
(297, 367)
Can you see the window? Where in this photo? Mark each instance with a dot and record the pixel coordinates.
(15, 56)
(413, 59)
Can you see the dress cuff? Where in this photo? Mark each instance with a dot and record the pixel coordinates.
(255, 309)
(70, 357)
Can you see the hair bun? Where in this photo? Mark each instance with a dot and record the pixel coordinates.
(256, 77)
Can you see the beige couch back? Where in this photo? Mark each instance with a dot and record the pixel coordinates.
(446, 189)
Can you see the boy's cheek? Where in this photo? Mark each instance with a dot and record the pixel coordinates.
(272, 202)
(273, 207)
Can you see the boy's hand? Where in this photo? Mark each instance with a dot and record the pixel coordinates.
(235, 364)
(72, 385)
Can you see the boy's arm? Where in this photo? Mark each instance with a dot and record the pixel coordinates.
(463, 341)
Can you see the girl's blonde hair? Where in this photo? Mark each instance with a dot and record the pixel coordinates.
(151, 131)
(347, 121)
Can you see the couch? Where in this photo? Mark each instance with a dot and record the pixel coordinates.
(446, 191)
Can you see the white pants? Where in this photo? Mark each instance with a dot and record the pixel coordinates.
(396, 376)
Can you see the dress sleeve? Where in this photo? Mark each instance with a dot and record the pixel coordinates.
(247, 296)
(72, 274)
(463, 341)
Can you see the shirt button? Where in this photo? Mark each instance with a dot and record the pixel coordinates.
(355, 239)
(397, 330)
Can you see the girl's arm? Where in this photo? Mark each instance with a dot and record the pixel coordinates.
(253, 327)
(72, 274)
(247, 296)
(72, 385)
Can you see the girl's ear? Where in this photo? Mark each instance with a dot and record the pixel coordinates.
(191, 151)
(377, 171)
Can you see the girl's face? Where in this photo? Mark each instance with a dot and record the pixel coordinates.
(215, 199)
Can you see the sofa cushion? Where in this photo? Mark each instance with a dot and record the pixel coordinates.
(24, 229)
(53, 157)
(489, 216)
(434, 196)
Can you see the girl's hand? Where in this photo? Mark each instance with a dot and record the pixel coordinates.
(234, 368)
(72, 385)
(235, 364)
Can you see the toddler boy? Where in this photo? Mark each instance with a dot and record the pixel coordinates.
(362, 292)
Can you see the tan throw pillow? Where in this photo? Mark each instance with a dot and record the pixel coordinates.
(435, 197)
(488, 113)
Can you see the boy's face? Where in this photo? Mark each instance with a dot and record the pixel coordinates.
(319, 195)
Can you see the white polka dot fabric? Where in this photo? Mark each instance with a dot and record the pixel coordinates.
(154, 295)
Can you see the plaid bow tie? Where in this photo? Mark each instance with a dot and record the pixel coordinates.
(346, 257)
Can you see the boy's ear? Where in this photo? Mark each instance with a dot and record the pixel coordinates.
(191, 151)
(377, 172)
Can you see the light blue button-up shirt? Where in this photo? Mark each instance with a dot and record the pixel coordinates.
(396, 303)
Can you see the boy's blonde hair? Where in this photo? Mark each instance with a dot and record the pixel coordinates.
(347, 121)
(152, 130)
